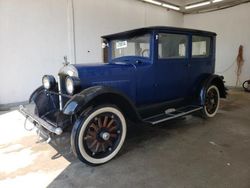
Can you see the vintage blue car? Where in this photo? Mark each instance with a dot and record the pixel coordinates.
(152, 75)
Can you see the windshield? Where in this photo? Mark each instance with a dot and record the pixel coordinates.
(134, 46)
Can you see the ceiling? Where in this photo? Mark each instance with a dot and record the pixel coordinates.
(212, 7)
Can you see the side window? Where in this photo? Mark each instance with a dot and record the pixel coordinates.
(172, 46)
(201, 46)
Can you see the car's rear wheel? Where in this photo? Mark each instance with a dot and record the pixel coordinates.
(212, 102)
(99, 135)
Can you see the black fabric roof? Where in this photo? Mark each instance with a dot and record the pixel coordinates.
(156, 28)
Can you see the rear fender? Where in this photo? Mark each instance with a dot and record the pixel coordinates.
(99, 95)
(212, 80)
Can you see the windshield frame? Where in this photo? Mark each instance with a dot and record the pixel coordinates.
(132, 57)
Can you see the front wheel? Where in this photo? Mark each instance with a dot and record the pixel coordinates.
(212, 102)
(99, 135)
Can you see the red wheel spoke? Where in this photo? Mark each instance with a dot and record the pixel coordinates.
(105, 121)
(92, 133)
(97, 147)
(93, 144)
(88, 137)
(112, 129)
(110, 123)
(94, 126)
(99, 123)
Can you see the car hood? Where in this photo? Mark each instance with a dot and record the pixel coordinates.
(110, 74)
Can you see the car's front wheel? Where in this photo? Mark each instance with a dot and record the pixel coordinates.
(212, 102)
(99, 135)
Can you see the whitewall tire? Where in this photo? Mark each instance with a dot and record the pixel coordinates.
(99, 135)
(212, 102)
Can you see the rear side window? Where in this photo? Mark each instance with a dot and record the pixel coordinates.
(172, 46)
(201, 46)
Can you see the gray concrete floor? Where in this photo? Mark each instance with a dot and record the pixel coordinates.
(189, 152)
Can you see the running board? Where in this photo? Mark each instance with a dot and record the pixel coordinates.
(172, 114)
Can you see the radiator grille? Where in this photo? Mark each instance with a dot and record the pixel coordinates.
(62, 90)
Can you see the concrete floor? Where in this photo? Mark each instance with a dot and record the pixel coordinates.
(189, 153)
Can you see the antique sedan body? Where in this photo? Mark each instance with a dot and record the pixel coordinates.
(153, 75)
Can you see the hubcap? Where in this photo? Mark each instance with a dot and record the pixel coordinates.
(105, 136)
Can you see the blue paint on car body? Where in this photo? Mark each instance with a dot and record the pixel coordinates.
(152, 75)
(149, 68)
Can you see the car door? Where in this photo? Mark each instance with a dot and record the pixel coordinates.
(171, 66)
(201, 62)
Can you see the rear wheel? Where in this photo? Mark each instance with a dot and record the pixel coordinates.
(212, 102)
(99, 135)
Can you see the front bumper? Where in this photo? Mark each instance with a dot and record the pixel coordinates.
(38, 122)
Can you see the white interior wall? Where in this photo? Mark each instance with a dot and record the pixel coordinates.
(233, 29)
(35, 35)
(111, 16)
(33, 40)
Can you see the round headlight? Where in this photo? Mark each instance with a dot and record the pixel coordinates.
(72, 84)
(69, 85)
(49, 82)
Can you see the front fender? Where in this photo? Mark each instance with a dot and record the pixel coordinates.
(98, 95)
(44, 102)
(34, 95)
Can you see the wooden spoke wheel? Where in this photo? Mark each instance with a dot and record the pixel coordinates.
(100, 135)
(212, 101)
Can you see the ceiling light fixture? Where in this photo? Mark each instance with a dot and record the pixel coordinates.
(198, 5)
(216, 1)
(153, 2)
(166, 5)
(170, 6)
